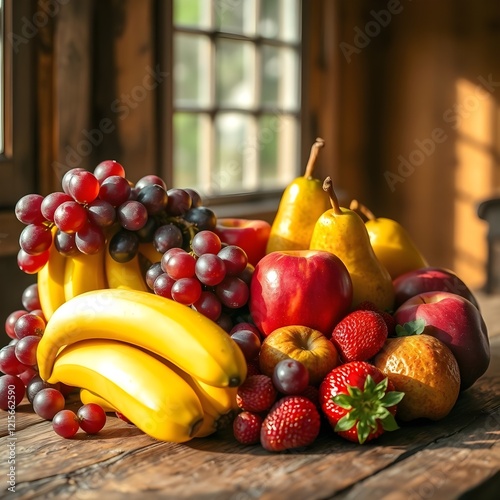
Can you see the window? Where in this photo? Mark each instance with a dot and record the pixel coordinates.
(236, 94)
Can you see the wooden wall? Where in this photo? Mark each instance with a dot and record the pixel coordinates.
(414, 117)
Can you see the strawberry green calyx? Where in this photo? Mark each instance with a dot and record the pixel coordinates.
(415, 327)
(367, 408)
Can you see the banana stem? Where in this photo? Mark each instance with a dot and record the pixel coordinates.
(328, 187)
(356, 205)
(313, 156)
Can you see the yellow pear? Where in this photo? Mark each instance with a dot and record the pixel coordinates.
(342, 232)
(302, 202)
(391, 243)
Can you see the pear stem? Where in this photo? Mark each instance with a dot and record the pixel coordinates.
(313, 156)
(356, 205)
(328, 187)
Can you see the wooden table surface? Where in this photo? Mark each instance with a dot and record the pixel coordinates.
(458, 457)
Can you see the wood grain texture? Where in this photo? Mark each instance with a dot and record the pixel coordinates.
(422, 460)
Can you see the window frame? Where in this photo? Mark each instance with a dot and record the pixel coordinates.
(257, 204)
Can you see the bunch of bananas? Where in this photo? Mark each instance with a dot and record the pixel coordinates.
(63, 278)
(167, 368)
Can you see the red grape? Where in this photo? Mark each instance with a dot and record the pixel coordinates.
(186, 291)
(180, 265)
(132, 215)
(101, 213)
(65, 423)
(107, 168)
(209, 305)
(51, 202)
(83, 187)
(12, 391)
(35, 385)
(70, 217)
(28, 209)
(26, 348)
(29, 324)
(67, 178)
(290, 376)
(210, 269)
(232, 292)
(11, 321)
(168, 254)
(28, 374)
(35, 239)
(29, 298)
(48, 402)
(205, 242)
(9, 363)
(246, 326)
(163, 285)
(152, 273)
(31, 264)
(235, 259)
(115, 190)
(92, 418)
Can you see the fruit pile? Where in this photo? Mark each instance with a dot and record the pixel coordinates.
(178, 322)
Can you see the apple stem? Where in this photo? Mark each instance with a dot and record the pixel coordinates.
(356, 205)
(328, 187)
(313, 156)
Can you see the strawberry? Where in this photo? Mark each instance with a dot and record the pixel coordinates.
(257, 393)
(292, 422)
(359, 335)
(359, 401)
(388, 317)
(246, 427)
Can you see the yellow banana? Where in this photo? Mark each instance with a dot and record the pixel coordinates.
(124, 274)
(84, 273)
(50, 281)
(216, 401)
(169, 329)
(151, 395)
(149, 251)
(87, 397)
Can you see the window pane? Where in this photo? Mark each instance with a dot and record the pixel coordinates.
(231, 159)
(278, 144)
(235, 16)
(195, 13)
(235, 74)
(280, 82)
(191, 70)
(190, 148)
(290, 16)
(269, 22)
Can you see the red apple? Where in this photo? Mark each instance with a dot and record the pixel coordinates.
(303, 344)
(430, 279)
(299, 287)
(251, 235)
(456, 322)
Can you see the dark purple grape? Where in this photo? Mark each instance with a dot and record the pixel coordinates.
(101, 213)
(154, 198)
(148, 180)
(35, 385)
(209, 305)
(90, 239)
(202, 218)
(179, 201)
(65, 243)
(152, 273)
(48, 402)
(248, 342)
(290, 376)
(195, 197)
(163, 285)
(147, 233)
(124, 246)
(235, 259)
(166, 237)
(29, 324)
